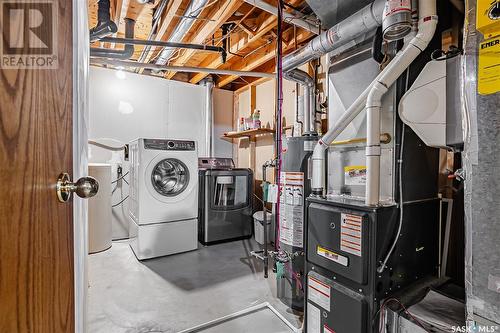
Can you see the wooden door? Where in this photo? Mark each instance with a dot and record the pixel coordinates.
(36, 234)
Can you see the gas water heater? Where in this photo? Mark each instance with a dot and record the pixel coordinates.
(296, 187)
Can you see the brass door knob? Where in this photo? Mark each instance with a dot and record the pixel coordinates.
(85, 187)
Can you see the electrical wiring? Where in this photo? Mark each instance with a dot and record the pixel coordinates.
(119, 203)
(383, 264)
(120, 178)
(382, 314)
(279, 113)
(295, 276)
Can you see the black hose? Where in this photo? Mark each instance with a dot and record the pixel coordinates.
(377, 53)
(103, 11)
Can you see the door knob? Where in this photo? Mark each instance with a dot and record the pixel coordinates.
(85, 187)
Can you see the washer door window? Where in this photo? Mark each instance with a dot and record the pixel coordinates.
(170, 177)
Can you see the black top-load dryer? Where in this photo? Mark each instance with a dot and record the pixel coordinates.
(225, 201)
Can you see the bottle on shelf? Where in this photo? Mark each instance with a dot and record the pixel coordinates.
(241, 125)
(256, 119)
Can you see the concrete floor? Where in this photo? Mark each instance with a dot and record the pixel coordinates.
(177, 292)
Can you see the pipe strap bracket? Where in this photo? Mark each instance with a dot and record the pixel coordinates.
(373, 151)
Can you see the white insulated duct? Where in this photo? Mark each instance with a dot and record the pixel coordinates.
(190, 15)
(426, 28)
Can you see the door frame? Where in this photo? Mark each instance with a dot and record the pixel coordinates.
(81, 60)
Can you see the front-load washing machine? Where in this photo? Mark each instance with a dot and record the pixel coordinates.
(163, 197)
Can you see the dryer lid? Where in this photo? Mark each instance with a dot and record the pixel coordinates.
(170, 177)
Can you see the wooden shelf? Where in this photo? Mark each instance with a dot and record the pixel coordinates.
(248, 133)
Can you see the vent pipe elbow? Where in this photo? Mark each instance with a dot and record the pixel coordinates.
(126, 53)
(307, 82)
(104, 26)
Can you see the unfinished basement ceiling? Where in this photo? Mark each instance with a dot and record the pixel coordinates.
(252, 36)
(334, 11)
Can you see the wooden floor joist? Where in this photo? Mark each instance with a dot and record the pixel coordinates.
(252, 33)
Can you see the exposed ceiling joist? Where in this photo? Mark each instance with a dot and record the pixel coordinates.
(225, 9)
(261, 57)
(267, 23)
(215, 62)
(166, 21)
(253, 81)
(251, 44)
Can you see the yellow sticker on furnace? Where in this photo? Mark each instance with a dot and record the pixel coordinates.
(355, 175)
(488, 74)
(330, 255)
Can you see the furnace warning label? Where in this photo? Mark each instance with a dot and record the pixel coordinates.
(318, 292)
(351, 237)
(355, 175)
(291, 226)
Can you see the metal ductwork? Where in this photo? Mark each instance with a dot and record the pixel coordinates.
(190, 15)
(360, 23)
(209, 117)
(307, 82)
(124, 54)
(152, 34)
(287, 17)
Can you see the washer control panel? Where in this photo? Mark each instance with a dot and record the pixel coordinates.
(215, 163)
(166, 144)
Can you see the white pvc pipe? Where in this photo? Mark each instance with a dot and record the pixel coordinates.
(318, 157)
(426, 28)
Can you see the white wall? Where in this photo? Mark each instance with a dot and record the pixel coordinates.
(223, 122)
(144, 106)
